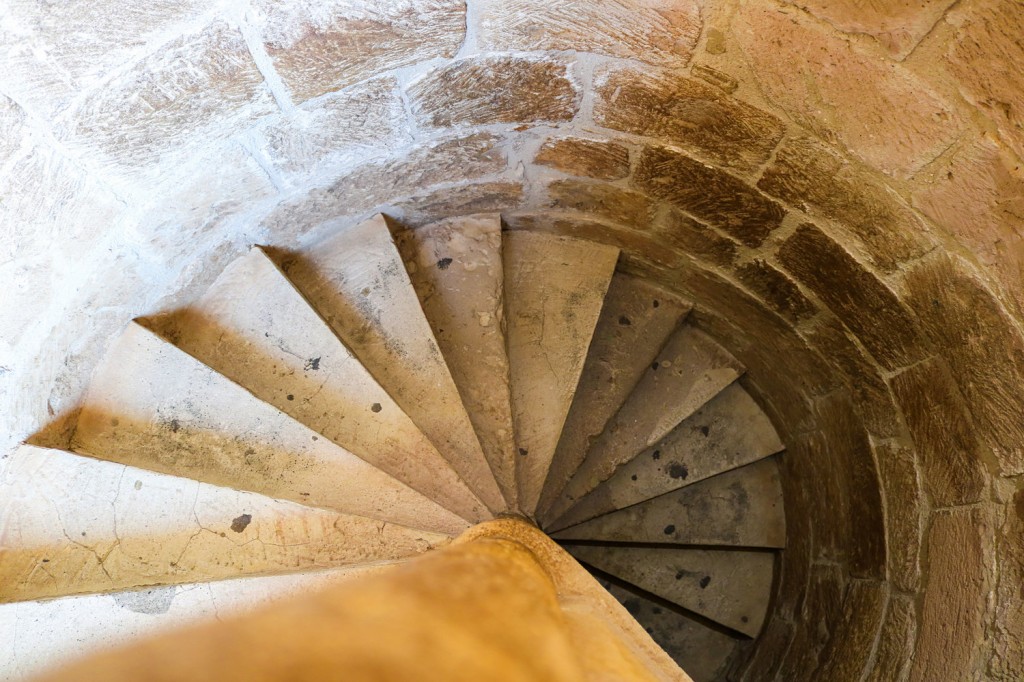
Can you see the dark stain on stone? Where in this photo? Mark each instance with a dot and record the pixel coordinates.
(745, 619)
(624, 321)
(312, 363)
(290, 397)
(705, 431)
(46, 561)
(632, 605)
(240, 523)
(656, 610)
(669, 529)
(656, 455)
(376, 407)
(175, 425)
(655, 365)
(524, 452)
(138, 485)
(633, 477)
(677, 470)
(705, 581)
(444, 263)
(656, 303)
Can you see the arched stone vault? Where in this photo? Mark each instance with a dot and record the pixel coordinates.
(837, 186)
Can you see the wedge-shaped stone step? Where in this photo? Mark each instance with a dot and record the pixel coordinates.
(730, 431)
(153, 406)
(701, 651)
(38, 635)
(554, 288)
(731, 588)
(740, 508)
(636, 320)
(255, 328)
(455, 266)
(690, 370)
(356, 280)
(75, 525)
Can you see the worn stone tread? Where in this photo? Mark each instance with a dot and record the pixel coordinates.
(701, 651)
(636, 320)
(689, 371)
(731, 588)
(356, 280)
(255, 328)
(78, 525)
(34, 635)
(153, 406)
(730, 431)
(456, 267)
(740, 508)
(554, 290)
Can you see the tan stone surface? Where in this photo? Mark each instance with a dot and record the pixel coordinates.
(356, 280)
(708, 194)
(688, 372)
(983, 349)
(603, 201)
(658, 31)
(776, 289)
(896, 641)
(1007, 661)
(898, 25)
(456, 267)
(815, 179)
(956, 591)
(693, 116)
(848, 654)
(871, 310)
(729, 588)
(554, 289)
(636, 319)
(904, 513)
(255, 328)
(598, 159)
(882, 113)
(694, 238)
(728, 432)
(495, 90)
(942, 429)
(152, 406)
(740, 508)
(76, 525)
(318, 47)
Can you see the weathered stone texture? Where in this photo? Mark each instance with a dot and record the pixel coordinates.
(1007, 662)
(495, 90)
(603, 201)
(708, 194)
(12, 132)
(809, 176)
(776, 289)
(693, 238)
(883, 114)
(694, 116)
(849, 650)
(985, 57)
(482, 197)
(819, 616)
(172, 98)
(318, 47)
(904, 506)
(597, 159)
(362, 122)
(897, 24)
(656, 31)
(957, 588)
(982, 347)
(868, 307)
(895, 642)
(943, 432)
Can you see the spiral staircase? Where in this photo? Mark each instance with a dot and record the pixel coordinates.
(322, 414)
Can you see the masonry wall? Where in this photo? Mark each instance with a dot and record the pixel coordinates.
(837, 186)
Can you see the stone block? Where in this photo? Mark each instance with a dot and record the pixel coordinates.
(708, 194)
(849, 649)
(982, 347)
(492, 90)
(688, 114)
(318, 47)
(898, 25)
(694, 238)
(776, 289)
(599, 159)
(655, 31)
(809, 176)
(904, 507)
(1007, 660)
(943, 432)
(818, 620)
(12, 129)
(603, 201)
(866, 305)
(481, 197)
(896, 640)
(879, 111)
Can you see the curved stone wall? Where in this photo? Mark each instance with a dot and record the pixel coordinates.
(838, 187)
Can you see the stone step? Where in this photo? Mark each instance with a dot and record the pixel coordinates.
(636, 319)
(740, 508)
(76, 525)
(356, 280)
(554, 289)
(455, 266)
(690, 370)
(731, 588)
(255, 328)
(701, 651)
(730, 431)
(37, 635)
(151, 405)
